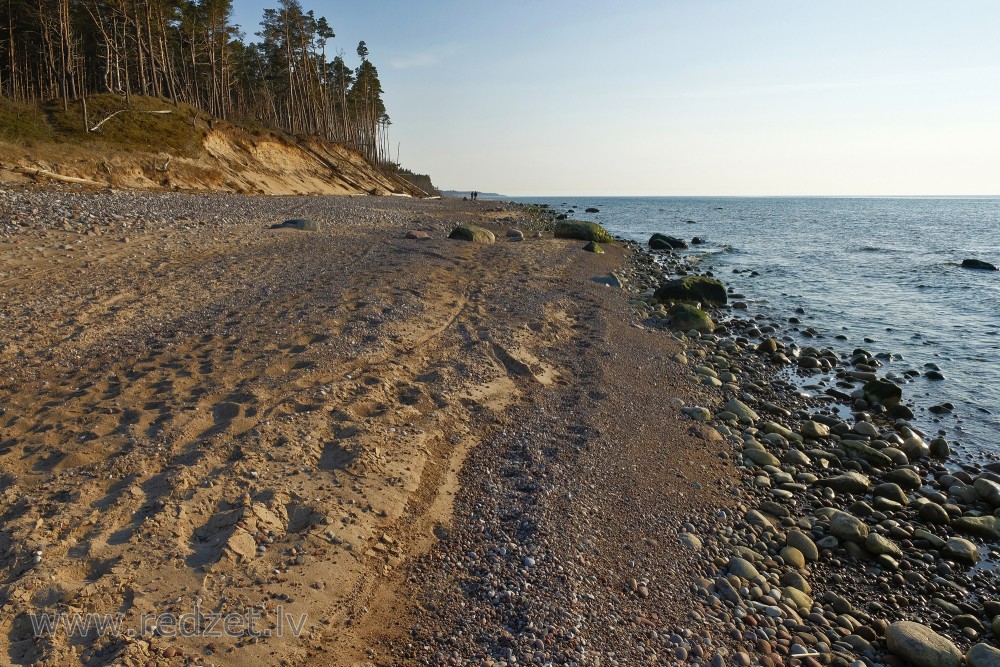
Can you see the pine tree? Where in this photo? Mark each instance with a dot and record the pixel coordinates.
(188, 51)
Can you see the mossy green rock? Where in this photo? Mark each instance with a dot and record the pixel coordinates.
(708, 291)
(594, 247)
(472, 233)
(584, 231)
(685, 317)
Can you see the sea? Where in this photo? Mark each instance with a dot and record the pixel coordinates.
(881, 274)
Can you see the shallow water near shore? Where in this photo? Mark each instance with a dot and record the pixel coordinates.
(880, 272)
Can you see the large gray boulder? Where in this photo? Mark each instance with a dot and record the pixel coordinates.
(663, 242)
(915, 448)
(814, 430)
(883, 391)
(933, 513)
(983, 526)
(983, 655)
(961, 550)
(846, 527)
(793, 557)
(988, 490)
(921, 646)
(798, 598)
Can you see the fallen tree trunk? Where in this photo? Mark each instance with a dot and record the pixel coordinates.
(98, 126)
(35, 173)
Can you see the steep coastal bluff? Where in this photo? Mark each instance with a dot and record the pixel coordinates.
(151, 144)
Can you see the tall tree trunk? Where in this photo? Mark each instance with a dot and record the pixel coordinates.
(66, 59)
(154, 74)
(168, 68)
(140, 57)
(11, 57)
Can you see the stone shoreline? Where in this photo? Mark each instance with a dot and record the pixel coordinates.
(854, 541)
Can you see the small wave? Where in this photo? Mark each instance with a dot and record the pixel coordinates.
(708, 251)
(880, 249)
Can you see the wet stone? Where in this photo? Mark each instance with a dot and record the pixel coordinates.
(934, 513)
(962, 550)
(983, 655)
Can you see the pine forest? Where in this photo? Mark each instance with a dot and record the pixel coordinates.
(288, 78)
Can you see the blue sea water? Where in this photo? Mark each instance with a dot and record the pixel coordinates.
(885, 269)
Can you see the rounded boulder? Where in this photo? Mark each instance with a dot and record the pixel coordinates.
(921, 646)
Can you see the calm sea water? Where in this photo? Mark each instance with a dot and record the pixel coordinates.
(876, 268)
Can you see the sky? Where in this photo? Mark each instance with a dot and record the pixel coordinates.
(683, 97)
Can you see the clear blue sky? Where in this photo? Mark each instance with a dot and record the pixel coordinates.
(668, 97)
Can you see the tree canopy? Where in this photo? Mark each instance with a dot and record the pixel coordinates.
(189, 51)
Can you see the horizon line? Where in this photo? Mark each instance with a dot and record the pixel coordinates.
(765, 196)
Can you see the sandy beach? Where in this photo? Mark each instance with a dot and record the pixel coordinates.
(200, 411)
(243, 445)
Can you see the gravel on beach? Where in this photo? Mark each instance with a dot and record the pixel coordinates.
(439, 451)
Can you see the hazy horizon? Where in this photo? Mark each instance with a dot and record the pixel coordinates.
(684, 98)
(723, 196)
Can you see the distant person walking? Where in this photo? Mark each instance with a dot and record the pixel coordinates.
(474, 195)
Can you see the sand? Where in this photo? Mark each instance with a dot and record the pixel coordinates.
(200, 415)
